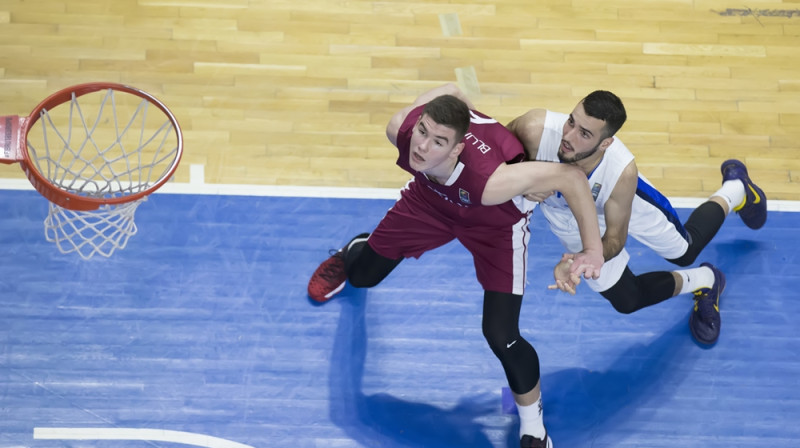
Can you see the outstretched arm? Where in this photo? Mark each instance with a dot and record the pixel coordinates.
(397, 119)
(538, 177)
(617, 211)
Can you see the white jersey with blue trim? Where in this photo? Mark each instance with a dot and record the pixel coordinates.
(601, 181)
(653, 220)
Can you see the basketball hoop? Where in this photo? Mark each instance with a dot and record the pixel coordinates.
(95, 151)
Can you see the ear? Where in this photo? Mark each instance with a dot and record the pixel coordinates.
(606, 143)
(456, 151)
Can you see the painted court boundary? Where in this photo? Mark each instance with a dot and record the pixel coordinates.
(151, 435)
(337, 192)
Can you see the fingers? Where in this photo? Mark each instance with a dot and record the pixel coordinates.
(586, 264)
(587, 270)
(563, 286)
(538, 197)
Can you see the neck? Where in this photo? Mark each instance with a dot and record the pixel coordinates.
(440, 176)
(588, 164)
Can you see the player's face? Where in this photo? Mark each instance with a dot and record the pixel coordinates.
(433, 147)
(582, 137)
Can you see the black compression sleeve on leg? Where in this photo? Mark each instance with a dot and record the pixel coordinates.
(632, 293)
(702, 225)
(501, 330)
(365, 267)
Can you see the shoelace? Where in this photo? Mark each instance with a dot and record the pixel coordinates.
(706, 307)
(332, 272)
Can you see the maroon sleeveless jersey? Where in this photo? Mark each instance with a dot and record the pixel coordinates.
(487, 145)
(429, 215)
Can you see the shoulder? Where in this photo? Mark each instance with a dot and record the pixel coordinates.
(617, 154)
(528, 128)
(618, 164)
(628, 180)
(491, 142)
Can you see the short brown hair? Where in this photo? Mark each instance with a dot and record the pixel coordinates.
(447, 110)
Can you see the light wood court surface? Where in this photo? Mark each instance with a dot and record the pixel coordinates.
(298, 92)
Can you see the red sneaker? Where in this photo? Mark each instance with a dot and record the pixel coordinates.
(330, 277)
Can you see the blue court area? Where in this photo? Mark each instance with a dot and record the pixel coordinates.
(200, 333)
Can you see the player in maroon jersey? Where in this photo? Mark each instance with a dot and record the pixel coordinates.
(467, 185)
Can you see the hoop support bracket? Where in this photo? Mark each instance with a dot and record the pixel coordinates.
(10, 128)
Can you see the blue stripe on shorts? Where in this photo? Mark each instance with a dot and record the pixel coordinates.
(659, 201)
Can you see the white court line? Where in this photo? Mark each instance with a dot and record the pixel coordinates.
(249, 190)
(197, 174)
(339, 192)
(152, 435)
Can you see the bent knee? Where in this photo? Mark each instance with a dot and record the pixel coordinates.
(625, 308)
(686, 260)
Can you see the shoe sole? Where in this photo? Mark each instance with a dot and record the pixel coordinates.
(327, 297)
(330, 295)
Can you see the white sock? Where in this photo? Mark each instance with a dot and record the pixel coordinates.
(732, 192)
(530, 419)
(696, 278)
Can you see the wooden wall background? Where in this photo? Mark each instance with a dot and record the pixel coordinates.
(298, 92)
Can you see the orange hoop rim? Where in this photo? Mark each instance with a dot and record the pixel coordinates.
(74, 201)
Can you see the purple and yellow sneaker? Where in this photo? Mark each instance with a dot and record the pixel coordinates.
(753, 210)
(705, 322)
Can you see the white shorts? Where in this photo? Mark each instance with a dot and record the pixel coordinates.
(650, 224)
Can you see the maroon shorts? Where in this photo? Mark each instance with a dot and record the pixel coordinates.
(498, 244)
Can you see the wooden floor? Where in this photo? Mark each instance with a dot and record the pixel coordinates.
(284, 92)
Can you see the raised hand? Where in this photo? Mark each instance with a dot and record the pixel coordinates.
(538, 197)
(586, 263)
(565, 280)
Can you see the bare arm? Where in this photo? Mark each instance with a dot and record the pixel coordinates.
(397, 119)
(528, 128)
(617, 211)
(537, 177)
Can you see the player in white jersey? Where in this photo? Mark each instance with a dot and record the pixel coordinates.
(627, 204)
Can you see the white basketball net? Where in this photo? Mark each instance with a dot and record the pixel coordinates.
(98, 231)
(104, 145)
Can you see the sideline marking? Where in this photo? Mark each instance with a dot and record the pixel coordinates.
(153, 435)
(197, 174)
(339, 193)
